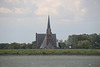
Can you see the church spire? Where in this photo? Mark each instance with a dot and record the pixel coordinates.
(48, 27)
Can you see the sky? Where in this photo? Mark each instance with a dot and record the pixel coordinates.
(20, 20)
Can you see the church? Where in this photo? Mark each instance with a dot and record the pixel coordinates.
(46, 41)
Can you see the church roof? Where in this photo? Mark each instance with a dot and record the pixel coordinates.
(40, 38)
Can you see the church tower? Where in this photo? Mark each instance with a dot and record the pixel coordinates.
(48, 42)
(49, 33)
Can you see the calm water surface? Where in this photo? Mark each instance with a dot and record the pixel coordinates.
(49, 61)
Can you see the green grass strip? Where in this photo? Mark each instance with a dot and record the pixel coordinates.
(49, 51)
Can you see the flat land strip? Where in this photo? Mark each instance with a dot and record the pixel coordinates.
(50, 52)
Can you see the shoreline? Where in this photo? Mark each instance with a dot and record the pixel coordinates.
(49, 55)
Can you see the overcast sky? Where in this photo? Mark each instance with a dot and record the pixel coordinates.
(21, 19)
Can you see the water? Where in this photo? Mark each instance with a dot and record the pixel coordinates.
(49, 61)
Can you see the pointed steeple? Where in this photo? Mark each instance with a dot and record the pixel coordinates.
(48, 26)
(48, 42)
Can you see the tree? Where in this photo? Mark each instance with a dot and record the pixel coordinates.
(84, 44)
(62, 44)
(34, 44)
(14, 46)
(4, 45)
(95, 40)
(23, 46)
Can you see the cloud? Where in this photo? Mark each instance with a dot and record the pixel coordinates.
(5, 10)
(43, 7)
(77, 3)
(15, 10)
(45, 11)
(46, 6)
(21, 10)
(83, 11)
(55, 7)
(59, 8)
(12, 1)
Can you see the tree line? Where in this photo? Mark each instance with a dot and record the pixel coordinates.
(82, 41)
(15, 45)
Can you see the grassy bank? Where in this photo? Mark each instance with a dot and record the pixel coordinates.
(49, 51)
